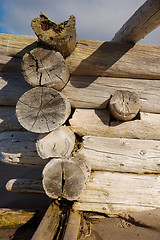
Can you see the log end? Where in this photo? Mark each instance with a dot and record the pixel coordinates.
(124, 105)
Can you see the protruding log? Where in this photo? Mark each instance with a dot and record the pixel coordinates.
(60, 36)
(47, 229)
(97, 123)
(42, 109)
(95, 92)
(58, 143)
(65, 178)
(10, 218)
(122, 155)
(143, 21)
(73, 226)
(45, 67)
(124, 105)
(19, 148)
(25, 186)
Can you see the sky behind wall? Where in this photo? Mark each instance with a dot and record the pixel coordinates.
(96, 19)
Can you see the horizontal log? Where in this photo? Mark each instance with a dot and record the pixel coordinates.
(10, 64)
(97, 58)
(19, 148)
(16, 45)
(8, 120)
(97, 123)
(48, 227)
(92, 92)
(142, 22)
(25, 186)
(121, 154)
(128, 191)
(10, 218)
(106, 192)
(12, 86)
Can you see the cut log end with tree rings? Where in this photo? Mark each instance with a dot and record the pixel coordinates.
(58, 143)
(65, 178)
(45, 67)
(59, 36)
(124, 105)
(42, 110)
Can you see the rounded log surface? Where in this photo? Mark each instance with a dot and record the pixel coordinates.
(45, 67)
(124, 105)
(58, 143)
(65, 178)
(59, 36)
(42, 110)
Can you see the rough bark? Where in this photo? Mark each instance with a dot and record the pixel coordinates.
(58, 143)
(19, 148)
(25, 186)
(65, 178)
(48, 227)
(95, 92)
(121, 154)
(42, 109)
(10, 218)
(59, 36)
(97, 58)
(45, 67)
(142, 22)
(124, 105)
(95, 123)
(114, 193)
(12, 86)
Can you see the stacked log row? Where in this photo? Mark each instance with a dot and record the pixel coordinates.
(106, 78)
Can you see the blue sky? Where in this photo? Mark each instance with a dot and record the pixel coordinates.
(96, 19)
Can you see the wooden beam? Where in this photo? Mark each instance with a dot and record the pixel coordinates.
(73, 226)
(142, 22)
(48, 227)
(121, 154)
(97, 58)
(95, 92)
(19, 148)
(12, 86)
(96, 123)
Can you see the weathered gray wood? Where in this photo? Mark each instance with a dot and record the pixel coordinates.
(142, 22)
(124, 105)
(10, 64)
(16, 45)
(19, 148)
(8, 120)
(12, 86)
(92, 92)
(73, 226)
(48, 227)
(121, 154)
(58, 143)
(60, 36)
(24, 186)
(114, 193)
(97, 58)
(65, 178)
(96, 123)
(42, 109)
(10, 218)
(45, 67)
